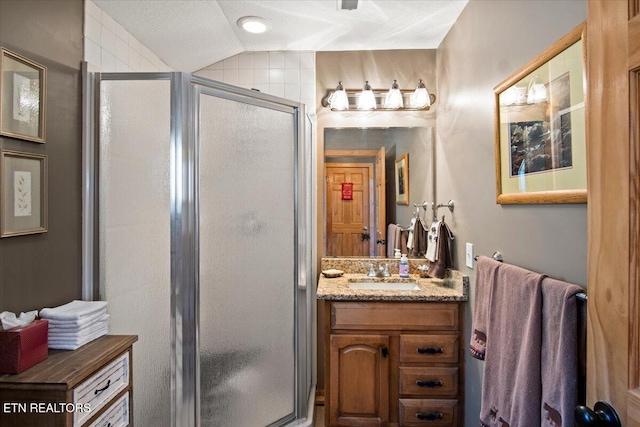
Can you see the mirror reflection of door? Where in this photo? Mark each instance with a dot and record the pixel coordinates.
(379, 147)
(348, 214)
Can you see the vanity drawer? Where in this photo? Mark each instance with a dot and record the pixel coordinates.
(429, 348)
(394, 316)
(99, 388)
(430, 382)
(428, 412)
(117, 415)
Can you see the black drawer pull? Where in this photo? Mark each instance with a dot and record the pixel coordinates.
(428, 416)
(430, 384)
(430, 350)
(100, 390)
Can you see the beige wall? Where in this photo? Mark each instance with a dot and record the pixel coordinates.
(489, 41)
(380, 68)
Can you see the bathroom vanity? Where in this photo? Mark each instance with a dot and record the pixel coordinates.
(393, 357)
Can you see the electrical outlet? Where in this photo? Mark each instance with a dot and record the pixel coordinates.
(469, 256)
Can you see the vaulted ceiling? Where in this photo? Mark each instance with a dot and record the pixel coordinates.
(191, 34)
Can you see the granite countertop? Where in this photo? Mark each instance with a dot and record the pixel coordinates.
(454, 287)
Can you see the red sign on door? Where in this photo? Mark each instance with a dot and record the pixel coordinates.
(347, 191)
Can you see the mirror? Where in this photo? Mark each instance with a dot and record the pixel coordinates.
(540, 128)
(360, 185)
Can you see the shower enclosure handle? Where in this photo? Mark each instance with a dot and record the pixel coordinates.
(430, 350)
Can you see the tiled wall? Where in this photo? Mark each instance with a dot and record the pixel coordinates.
(289, 75)
(108, 47)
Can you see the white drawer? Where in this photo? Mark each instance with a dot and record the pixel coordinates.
(116, 415)
(98, 389)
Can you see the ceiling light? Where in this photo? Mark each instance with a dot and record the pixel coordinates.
(367, 100)
(393, 99)
(338, 99)
(420, 97)
(254, 24)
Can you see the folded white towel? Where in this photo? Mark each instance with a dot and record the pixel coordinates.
(78, 323)
(72, 344)
(70, 333)
(75, 310)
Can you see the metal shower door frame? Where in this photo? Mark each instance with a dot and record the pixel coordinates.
(185, 91)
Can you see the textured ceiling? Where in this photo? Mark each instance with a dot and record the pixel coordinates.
(191, 34)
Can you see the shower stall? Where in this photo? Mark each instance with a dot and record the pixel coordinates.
(198, 227)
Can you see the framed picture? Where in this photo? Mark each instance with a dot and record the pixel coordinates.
(402, 180)
(23, 193)
(540, 145)
(22, 97)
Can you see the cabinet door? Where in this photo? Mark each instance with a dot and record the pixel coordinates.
(359, 380)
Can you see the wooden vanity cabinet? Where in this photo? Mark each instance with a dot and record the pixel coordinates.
(394, 364)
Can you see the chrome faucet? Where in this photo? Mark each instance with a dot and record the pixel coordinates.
(382, 270)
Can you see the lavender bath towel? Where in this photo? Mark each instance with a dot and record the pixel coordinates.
(511, 388)
(487, 270)
(559, 358)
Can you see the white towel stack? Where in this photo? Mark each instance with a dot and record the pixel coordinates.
(74, 324)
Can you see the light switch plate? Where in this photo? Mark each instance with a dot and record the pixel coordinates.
(469, 256)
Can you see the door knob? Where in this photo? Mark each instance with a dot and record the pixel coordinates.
(603, 415)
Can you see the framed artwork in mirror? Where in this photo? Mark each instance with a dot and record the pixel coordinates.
(23, 193)
(22, 97)
(402, 180)
(540, 139)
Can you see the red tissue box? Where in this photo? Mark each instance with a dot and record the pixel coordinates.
(23, 347)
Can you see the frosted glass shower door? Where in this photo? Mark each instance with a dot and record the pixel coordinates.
(247, 236)
(134, 232)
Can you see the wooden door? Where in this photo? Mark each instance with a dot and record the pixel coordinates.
(347, 220)
(359, 380)
(613, 64)
(380, 204)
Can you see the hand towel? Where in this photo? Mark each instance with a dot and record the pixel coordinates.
(397, 244)
(412, 224)
(511, 388)
(419, 240)
(74, 310)
(559, 358)
(74, 344)
(391, 239)
(77, 333)
(444, 250)
(404, 234)
(78, 323)
(486, 276)
(432, 241)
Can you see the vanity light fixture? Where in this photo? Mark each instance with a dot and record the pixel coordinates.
(420, 97)
(367, 100)
(393, 99)
(254, 24)
(536, 92)
(338, 100)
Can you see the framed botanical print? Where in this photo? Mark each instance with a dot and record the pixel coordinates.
(22, 97)
(23, 193)
(402, 180)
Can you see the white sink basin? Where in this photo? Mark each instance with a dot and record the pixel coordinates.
(385, 286)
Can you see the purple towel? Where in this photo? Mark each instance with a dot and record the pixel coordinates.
(487, 270)
(511, 388)
(559, 358)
